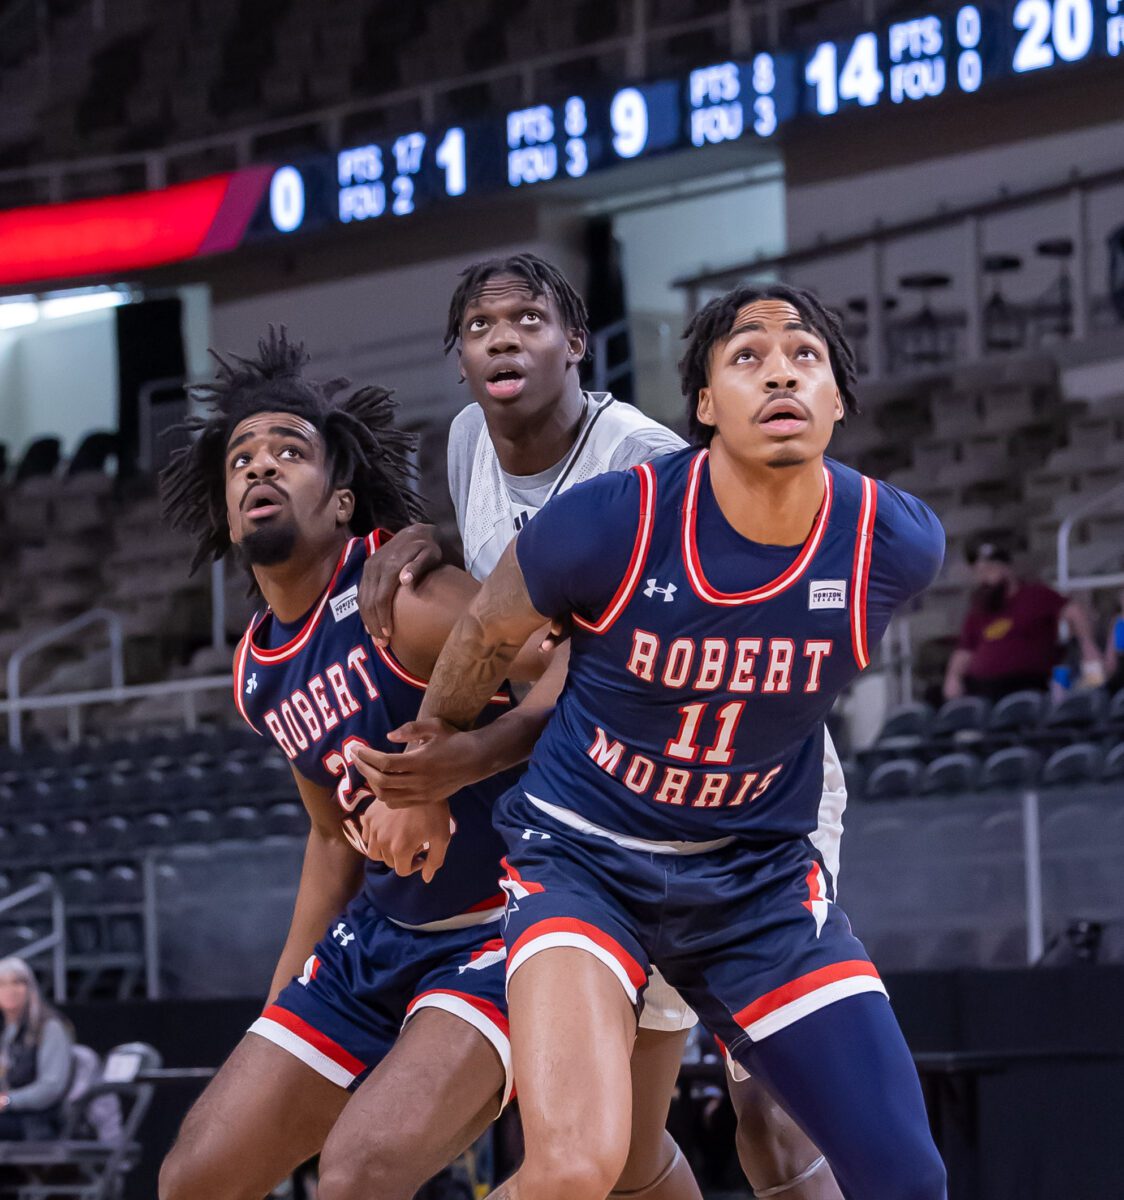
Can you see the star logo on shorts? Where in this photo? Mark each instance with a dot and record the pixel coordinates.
(342, 934)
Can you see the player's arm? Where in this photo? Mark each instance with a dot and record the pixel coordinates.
(442, 759)
(330, 878)
(426, 614)
(482, 646)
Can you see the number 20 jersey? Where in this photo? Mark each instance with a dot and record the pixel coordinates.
(327, 687)
(703, 664)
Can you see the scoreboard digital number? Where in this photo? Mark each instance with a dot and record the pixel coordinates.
(956, 51)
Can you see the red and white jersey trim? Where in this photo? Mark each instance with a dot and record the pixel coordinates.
(860, 574)
(640, 548)
(482, 1015)
(580, 935)
(313, 1048)
(699, 583)
(783, 1006)
(240, 655)
(296, 644)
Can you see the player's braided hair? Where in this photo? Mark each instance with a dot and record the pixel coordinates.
(365, 452)
(713, 322)
(542, 279)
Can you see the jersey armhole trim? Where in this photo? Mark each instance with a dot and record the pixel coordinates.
(640, 548)
(860, 573)
(240, 656)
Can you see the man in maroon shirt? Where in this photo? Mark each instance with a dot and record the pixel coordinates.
(1009, 639)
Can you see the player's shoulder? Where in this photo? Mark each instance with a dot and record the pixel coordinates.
(464, 433)
(639, 438)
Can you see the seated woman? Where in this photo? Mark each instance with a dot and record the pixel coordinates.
(34, 1057)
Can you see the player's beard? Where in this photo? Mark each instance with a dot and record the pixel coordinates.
(270, 544)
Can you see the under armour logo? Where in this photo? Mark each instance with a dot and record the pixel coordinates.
(252, 684)
(668, 593)
(528, 834)
(341, 934)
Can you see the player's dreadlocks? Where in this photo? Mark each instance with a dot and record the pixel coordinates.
(542, 279)
(713, 322)
(365, 452)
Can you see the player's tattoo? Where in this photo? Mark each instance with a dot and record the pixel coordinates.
(481, 646)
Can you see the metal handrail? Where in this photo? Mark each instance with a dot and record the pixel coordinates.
(187, 689)
(55, 941)
(1065, 580)
(94, 616)
(603, 374)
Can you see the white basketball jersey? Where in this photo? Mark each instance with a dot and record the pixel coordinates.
(492, 516)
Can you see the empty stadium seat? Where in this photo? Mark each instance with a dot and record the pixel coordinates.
(1079, 763)
(1115, 715)
(906, 725)
(1017, 712)
(893, 779)
(241, 822)
(964, 715)
(1113, 767)
(286, 819)
(1080, 710)
(956, 772)
(1011, 767)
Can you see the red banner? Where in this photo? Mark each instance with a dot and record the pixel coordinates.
(114, 234)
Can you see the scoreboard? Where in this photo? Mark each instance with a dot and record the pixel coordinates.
(906, 62)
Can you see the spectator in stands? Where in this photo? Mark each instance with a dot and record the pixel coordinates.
(1114, 648)
(1009, 640)
(34, 1057)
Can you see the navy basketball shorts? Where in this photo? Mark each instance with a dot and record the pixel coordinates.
(747, 933)
(368, 977)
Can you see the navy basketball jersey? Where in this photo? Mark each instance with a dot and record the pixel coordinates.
(324, 686)
(703, 664)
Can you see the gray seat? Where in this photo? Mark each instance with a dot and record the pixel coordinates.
(964, 715)
(1017, 712)
(1081, 710)
(956, 772)
(1113, 767)
(1012, 767)
(1079, 763)
(893, 779)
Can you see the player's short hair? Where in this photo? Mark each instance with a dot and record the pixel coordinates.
(365, 452)
(542, 279)
(713, 322)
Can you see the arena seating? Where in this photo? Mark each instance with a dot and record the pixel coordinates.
(998, 453)
(81, 78)
(969, 744)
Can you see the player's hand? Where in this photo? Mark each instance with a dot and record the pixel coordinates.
(560, 630)
(439, 760)
(408, 840)
(409, 556)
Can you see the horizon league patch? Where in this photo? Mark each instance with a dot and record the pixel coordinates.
(346, 603)
(827, 593)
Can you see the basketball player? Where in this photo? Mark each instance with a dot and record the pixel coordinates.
(384, 1041)
(722, 597)
(520, 330)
